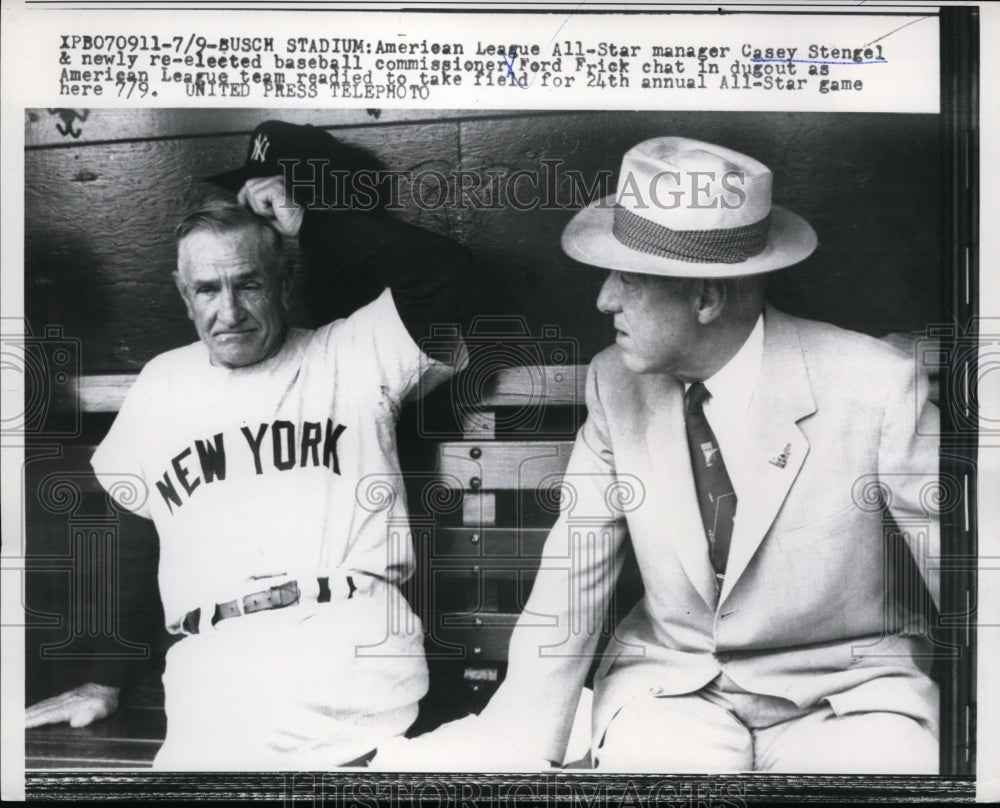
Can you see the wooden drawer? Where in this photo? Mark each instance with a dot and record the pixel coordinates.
(503, 466)
(492, 542)
(476, 639)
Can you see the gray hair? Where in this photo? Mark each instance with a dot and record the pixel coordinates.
(223, 216)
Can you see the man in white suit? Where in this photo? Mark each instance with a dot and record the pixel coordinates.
(753, 460)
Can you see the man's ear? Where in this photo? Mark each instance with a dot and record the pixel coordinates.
(711, 300)
(179, 283)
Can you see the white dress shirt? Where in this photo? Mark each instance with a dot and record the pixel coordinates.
(731, 391)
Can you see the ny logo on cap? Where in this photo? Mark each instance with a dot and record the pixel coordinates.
(260, 147)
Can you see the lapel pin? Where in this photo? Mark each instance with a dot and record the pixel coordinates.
(782, 460)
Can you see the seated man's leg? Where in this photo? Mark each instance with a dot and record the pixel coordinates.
(886, 725)
(856, 743)
(675, 734)
(308, 687)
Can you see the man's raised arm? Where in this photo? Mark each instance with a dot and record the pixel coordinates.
(431, 276)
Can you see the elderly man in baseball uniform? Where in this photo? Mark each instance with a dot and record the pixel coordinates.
(738, 449)
(269, 459)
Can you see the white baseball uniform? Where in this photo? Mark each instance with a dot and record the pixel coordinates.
(284, 470)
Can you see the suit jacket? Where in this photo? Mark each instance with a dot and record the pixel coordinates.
(804, 609)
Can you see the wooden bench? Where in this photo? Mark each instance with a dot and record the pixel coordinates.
(479, 515)
(127, 740)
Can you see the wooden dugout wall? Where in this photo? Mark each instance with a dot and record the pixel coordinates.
(100, 206)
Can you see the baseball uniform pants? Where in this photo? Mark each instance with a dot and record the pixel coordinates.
(307, 687)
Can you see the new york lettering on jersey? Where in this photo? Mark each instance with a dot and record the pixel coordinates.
(276, 446)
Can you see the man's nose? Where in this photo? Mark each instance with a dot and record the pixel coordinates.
(607, 298)
(231, 310)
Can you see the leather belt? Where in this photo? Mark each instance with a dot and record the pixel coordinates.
(277, 597)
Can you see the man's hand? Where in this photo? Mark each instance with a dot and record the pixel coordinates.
(266, 197)
(469, 744)
(81, 706)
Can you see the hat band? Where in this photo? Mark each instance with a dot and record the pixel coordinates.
(725, 246)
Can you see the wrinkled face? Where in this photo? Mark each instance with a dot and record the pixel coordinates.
(235, 299)
(655, 319)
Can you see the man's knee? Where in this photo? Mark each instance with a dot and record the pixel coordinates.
(675, 734)
(856, 743)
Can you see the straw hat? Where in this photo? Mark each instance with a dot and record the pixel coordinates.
(689, 209)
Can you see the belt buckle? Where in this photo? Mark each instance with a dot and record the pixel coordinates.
(279, 593)
(277, 597)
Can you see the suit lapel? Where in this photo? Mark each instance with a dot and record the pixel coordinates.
(666, 442)
(777, 447)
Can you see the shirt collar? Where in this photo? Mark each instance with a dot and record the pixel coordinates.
(733, 384)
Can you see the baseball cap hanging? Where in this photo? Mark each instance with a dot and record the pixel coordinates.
(311, 150)
(687, 208)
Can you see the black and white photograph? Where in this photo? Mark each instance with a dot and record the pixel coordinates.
(548, 452)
